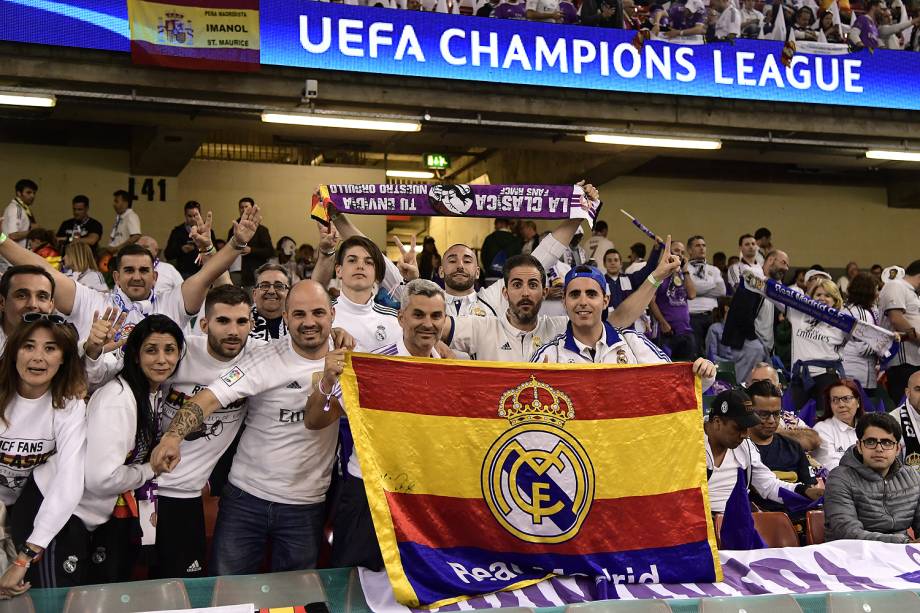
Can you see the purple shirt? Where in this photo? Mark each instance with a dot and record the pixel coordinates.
(682, 19)
(868, 32)
(672, 302)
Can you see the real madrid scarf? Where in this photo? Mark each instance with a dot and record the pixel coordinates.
(260, 329)
(879, 340)
(911, 442)
(510, 201)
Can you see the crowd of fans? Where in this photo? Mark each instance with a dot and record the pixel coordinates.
(216, 373)
(871, 24)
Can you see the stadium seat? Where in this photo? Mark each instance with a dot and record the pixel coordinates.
(617, 606)
(299, 587)
(776, 603)
(814, 527)
(776, 529)
(128, 597)
(726, 372)
(873, 602)
(20, 604)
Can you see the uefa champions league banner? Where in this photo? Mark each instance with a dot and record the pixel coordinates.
(331, 36)
(840, 566)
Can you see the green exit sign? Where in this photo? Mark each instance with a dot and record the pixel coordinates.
(436, 161)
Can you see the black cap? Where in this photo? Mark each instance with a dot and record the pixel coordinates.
(736, 405)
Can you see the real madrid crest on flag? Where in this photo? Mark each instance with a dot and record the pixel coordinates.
(537, 479)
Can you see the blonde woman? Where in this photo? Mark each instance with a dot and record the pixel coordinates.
(80, 265)
(816, 362)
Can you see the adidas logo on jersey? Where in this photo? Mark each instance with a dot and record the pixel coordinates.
(194, 567)
(294, 386)
(506, 346)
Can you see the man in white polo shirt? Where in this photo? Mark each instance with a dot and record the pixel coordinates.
(180, 536)
(710, 286)
(422, 315)
(281, 471)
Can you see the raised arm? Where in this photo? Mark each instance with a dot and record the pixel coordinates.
(65, 288)
(635, 304)
(195, 288)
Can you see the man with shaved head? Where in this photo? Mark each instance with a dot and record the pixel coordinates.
(281, 470)
(168, 277)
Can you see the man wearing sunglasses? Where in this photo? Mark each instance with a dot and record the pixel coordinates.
(782, 455)
(23, 290)
(872, 495)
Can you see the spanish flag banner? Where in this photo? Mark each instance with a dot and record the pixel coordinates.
(483, 477)
(195, 34)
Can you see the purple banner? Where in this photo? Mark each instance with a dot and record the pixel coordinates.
(516, 201)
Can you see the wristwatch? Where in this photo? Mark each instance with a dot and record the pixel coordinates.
(30, 554)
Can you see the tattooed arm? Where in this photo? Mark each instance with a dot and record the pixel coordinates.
(189, 418)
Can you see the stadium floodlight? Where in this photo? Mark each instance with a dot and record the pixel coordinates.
(344, 123)
(410, 174)
(653, 141)
(39, 100)
(894, 156)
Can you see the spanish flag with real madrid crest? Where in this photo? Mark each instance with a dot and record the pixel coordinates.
(489, 476)
(221, 35)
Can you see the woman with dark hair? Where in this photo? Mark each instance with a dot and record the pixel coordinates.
(837, 428)
(429, 260)
(43, 442)
(121, 432)
(859, 361)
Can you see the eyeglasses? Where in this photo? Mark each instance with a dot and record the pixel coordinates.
(765, 415)
(886, 443)
(278, 287)
(842, 399)
(34, 316)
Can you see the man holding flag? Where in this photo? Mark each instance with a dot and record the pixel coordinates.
(422, 315)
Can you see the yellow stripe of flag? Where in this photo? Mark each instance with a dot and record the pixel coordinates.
(620, 451)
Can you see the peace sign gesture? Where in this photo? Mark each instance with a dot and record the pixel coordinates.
(201, 231)
(102, 334)
(407, 265)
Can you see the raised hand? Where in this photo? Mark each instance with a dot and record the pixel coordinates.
(245, 228)
(201, 231)
(328, 237)
(407, 264)
(103, 332)
(668, 263)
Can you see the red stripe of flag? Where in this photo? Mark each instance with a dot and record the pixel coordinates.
(469, 391)
(620, 524)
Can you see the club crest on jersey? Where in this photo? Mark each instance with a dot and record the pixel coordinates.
(537, 479)
(232, 376)
(621, 357)
(381, 334)
(478, 311)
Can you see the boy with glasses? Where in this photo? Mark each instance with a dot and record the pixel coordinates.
(872, 495)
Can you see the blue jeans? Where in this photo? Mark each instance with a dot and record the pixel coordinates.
(246, 523)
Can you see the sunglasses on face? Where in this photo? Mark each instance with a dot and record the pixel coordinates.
(36, 316)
